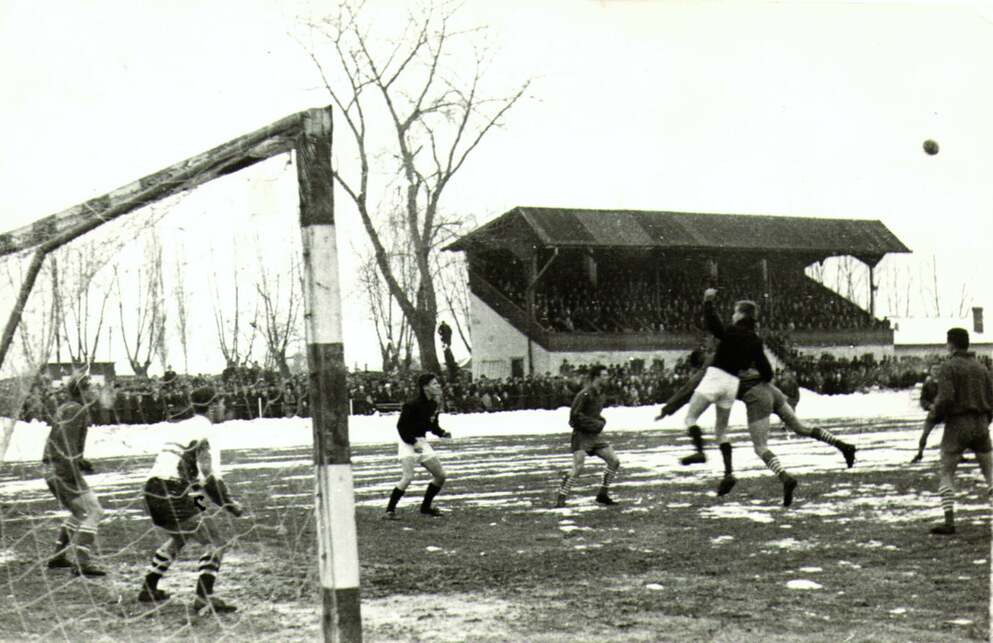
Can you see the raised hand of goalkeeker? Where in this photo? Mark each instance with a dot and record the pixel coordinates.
(709, 294)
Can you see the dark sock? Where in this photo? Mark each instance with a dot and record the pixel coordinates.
(726, 454)
(205, 585)
(696, 436)
(394, 498)
(152, 581)
(429, 495)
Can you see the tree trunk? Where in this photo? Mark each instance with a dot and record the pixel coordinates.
(423, 326)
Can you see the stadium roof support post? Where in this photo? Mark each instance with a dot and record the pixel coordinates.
(871, 261)
(334, 492)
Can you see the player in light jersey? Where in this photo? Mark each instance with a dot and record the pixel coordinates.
(186, 472)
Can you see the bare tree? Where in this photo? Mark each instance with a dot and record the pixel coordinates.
(436, 120)
(230, 331)
(281, 298)
(80, 300)
(455, 291)
(393, 331)
(181, 299)
(142, 325)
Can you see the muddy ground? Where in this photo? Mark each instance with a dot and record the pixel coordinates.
(852, 560)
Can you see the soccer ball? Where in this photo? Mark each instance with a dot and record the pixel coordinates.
(931, 147)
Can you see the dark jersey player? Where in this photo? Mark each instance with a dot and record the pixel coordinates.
(587, 424)
(417, 417)
(64, 466)
(964, 402)
(738, 349)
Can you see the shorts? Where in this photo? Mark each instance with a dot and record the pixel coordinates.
(588, 443)
(174, 505)
(762, 400)
(420, 449)
(719, 387)
(966, 432)
(66, 489)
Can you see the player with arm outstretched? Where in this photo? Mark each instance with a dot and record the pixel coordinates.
(63, 465)
(587, 428)
(186, 473)
(738, 348)
(964, 402)
(417, 417)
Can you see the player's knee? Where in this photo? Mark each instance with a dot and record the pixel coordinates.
(404, 482)
(439, 479)
(613, 463)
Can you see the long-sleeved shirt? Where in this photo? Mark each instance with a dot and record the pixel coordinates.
(188, 455)
(64, 446)
(417, 417)
(739, 347)
(964, 386)
(585, 414)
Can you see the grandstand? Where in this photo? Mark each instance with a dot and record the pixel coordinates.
(554, 285)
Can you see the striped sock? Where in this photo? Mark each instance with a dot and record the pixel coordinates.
(161, 561)
(947, 494)
(608, 477)
(826, 436)
(66, 532)
(772, 462)
(566, 486)
(209, 565)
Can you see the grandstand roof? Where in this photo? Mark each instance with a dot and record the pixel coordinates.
(573, 227)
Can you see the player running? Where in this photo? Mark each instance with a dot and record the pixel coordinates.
(965, 404)
(186, 470)
(62, 459)
(738, 348)
(417, 417)
(587, 427)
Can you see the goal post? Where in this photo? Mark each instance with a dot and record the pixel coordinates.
(309, 135)
(334, 493)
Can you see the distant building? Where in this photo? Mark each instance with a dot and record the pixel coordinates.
(100, 372)
(920, 337)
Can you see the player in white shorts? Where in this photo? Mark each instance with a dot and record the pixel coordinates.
(739, 348)
(417, 417)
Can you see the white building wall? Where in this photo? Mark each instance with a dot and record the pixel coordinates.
(495, 342)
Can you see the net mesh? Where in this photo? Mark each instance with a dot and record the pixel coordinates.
(199, 289)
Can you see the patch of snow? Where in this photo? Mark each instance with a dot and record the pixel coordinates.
(791, 543)
(801, 583)
(721, 539)
(432, 548)
(654, 586)
(811, 570)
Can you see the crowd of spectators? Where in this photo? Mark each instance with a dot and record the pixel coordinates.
(248, 394)
(667, 299)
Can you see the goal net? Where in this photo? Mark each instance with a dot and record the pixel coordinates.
(203, 287)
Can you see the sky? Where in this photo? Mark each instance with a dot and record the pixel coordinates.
(803, 108)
